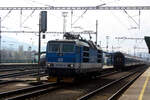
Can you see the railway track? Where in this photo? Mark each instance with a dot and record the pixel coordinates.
(9, 65)
(39, 90)
(21, 94)
(19, 68)
(9, 81)
(18, 74)
(100, 92)
(109, 73)
(16, 69)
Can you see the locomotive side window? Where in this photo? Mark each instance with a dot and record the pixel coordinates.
(53, 47)
(85, 59)
(99, 61)
(85, 48)
(99, 56)
(78, 49)
(85, 54)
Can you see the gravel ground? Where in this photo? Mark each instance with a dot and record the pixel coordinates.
(13, 86)
(24, 82)
(9, 72)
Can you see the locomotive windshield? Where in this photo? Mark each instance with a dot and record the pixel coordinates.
(67, 47)
(61, 47)
(54, 47)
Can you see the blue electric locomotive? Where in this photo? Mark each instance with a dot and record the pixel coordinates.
(72, 57)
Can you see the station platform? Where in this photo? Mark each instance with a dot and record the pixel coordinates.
(107, 67)
(140, 89)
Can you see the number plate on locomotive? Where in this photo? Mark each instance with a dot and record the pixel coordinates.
(60, 59)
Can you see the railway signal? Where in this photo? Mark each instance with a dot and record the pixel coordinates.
(42, 28)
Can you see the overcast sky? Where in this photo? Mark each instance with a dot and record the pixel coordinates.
(111, 23)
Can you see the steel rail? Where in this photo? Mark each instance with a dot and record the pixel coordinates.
(88, 95)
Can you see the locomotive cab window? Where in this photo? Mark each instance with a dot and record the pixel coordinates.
(54, 47)
(68, 47)
(60, 47)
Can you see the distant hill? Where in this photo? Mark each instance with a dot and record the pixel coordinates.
(12, 43)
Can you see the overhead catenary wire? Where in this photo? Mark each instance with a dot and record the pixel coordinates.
(40, 3)
(6, 15)
(109, 2)
(79, 17)
(131, 18)
(28, 16)
(118, 19)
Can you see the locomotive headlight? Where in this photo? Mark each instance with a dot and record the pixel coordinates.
(50, 65)
(71, 65)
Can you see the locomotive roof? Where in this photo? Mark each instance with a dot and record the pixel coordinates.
(77, 42)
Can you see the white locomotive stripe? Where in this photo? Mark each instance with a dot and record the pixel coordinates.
(77, 65)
